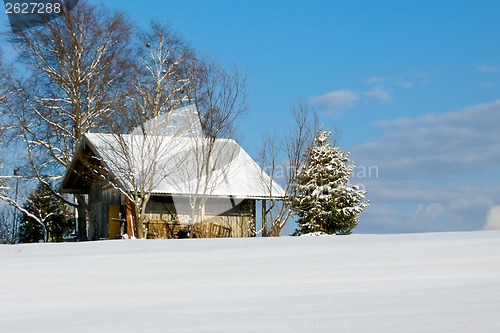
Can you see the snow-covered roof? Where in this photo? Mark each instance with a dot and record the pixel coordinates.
(175, 166)
(170, 155)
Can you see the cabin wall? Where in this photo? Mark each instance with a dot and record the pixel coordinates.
(100, 201)
(166, 219)
(236, 221)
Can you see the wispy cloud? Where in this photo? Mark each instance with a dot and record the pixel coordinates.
(451, 142)
(488, 69)
(406, 81)
(345, 98)
(336, 99)
(488, 85)
(379, 93)
(436, 171)
(375, 80)
(406, 84)
(376, 89)
(423, 78)
(430, 211)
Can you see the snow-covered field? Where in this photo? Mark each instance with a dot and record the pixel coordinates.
(440, 282)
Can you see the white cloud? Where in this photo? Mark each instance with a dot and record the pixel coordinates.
(424, 78)
(375, 79)
(379, 93)
(346, 98)
(438, 145)
(380, 89)
(430, 211)
(406, 84)
(336, 99)
(406, 81)
(493, 218)
(466, 200)
(488, 85)
(421, 206)
(488, 69)
(438, 171)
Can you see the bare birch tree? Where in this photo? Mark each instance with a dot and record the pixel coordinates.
(173, 76)
(73, 74)
(220, 98)
(160, 81)
(282, 160)
(158, 86)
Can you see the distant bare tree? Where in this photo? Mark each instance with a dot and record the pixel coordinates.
(13, 197)
(4, 78)
(219, 95)
(282, 160)
(6, 219)
(5, 94)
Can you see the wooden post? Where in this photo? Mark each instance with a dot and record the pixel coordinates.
(264, 224)
(130, 216)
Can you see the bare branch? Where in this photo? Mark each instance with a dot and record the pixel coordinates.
(292, 152)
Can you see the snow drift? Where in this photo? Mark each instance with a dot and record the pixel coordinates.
(440, 282)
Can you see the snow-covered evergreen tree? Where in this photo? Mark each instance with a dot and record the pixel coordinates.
(326, 202)
(43, 214)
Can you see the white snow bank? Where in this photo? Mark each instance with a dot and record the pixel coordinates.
(442, 282)
(317, 233)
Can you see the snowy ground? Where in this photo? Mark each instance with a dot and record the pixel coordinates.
(441, 282)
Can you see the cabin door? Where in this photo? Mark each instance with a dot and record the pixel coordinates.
(114, 221)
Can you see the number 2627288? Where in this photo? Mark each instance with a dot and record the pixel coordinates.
(33, 8)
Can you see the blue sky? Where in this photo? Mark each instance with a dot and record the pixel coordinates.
(412, 86)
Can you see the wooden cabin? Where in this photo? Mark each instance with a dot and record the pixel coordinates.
(110, 170)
